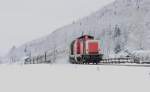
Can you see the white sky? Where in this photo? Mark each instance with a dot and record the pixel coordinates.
(25, 20)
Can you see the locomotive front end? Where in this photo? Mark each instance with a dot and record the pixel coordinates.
(93, 52)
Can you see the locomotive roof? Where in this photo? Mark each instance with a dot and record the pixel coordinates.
(91, 37)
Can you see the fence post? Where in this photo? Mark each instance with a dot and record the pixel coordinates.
(45, 56)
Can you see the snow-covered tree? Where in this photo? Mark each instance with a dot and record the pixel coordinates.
(117, 36)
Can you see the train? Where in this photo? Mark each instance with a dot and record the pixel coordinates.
(85, 49)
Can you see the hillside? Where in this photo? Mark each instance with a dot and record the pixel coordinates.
(119, 26)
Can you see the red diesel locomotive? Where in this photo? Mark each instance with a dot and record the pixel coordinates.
(85, 49)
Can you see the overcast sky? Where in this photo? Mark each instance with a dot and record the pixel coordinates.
(24, 20)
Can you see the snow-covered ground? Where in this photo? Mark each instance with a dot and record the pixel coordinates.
(73, 78)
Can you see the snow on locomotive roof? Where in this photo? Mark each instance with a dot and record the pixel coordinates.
(84, 36)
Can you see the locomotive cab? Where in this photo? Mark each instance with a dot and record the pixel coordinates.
(85, 50)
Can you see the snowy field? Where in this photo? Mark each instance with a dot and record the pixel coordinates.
(73, 78)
